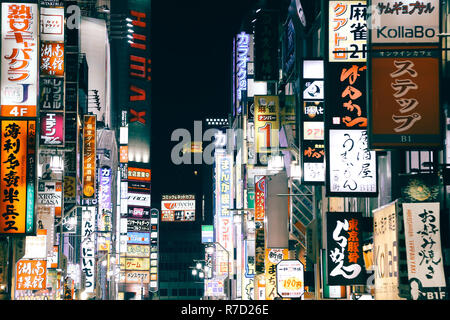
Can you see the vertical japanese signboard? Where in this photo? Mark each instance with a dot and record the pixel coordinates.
(386, 257)
(224, 218)
(267, 124)
(424, 254)
(272, 258)
(351, 168)
(89, 156)
(266, 46)
(347, 31)
(260, 199)
(105, 206)
(345, 260)
(17, 174)
(312, 148)
(88, 247)
(154, 249)
(405, 106)
(139, 78)
(242, 43)
(19, 59)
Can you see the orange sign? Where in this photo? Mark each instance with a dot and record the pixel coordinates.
(123, 154)
(13, 177)
(52, 59)
(405, 109)
(139, 174)
(89, 156)
(31, 275)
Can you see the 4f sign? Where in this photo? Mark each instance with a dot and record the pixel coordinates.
(18, 111)
(407, 21)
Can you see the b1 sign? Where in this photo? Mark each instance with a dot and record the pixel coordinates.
(407, 21)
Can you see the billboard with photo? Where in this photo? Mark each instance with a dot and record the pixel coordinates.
(179, 207)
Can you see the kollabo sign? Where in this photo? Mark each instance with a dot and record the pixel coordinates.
(407, 21)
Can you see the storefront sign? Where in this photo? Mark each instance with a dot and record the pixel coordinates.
(138, 238)
(89, 156)
(405, 107)
(385, 244)
(267, 123)
(290, 279)
(88, 247)
(52, 59)
(52, 24)
(52, 129)
(17, 176)
(260, 199)
(424, 253)
(51, 94)
(137, 277)
(178, 208)
(19, 59)
(31, 275)
(347, 31)
(266, 46)
(352, 167)
(344, 249)
(272, 258)
(407, 21)
(50, 194)
(135, 250)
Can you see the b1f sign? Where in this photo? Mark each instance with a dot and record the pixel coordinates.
(407, 21)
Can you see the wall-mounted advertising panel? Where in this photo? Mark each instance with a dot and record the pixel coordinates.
(347, 30)
(52, 59)
(290, 279)
(407, 21)
(19, 59)
(17, 176)
(405, 106)
(178, 208)
(344, 249)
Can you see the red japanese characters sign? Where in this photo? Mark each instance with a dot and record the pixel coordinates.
(405, 109)
(31, 275)
(19, 59)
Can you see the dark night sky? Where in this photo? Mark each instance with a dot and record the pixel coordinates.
(191, 72)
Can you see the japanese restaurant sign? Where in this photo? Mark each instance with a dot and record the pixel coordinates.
(17, 174)
(31, 275)
(345, 259)
(290, 279)
(89, 155)
(405, 106)
(52, 59)
(272, 258)
(347, 31)
(424, 253)
(19, 59)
